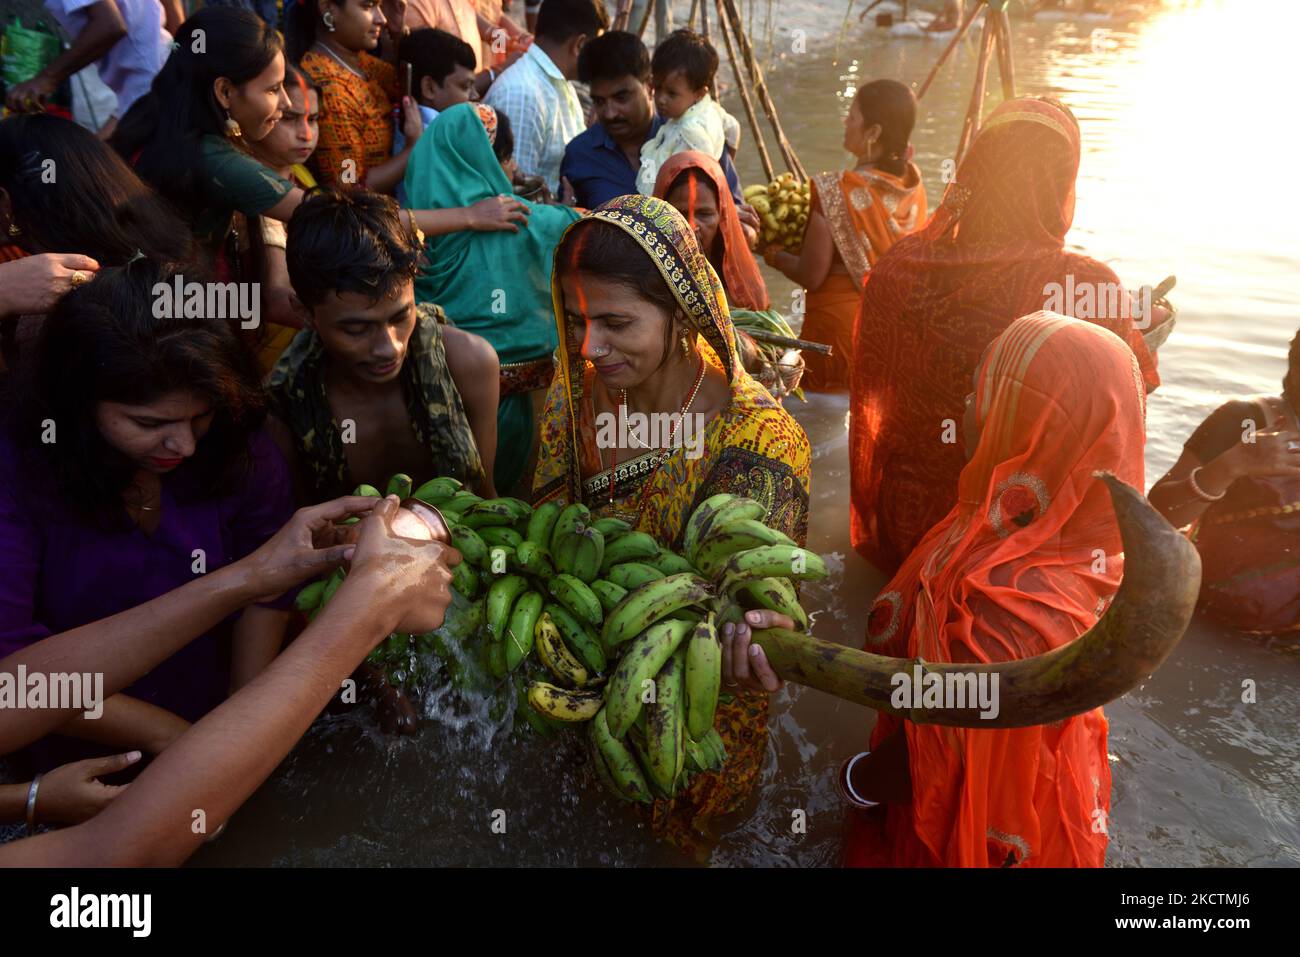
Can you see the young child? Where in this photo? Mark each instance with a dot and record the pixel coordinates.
(442, 74)
(682, 69)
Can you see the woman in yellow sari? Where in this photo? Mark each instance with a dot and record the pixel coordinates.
(856, 216)
(644, 328)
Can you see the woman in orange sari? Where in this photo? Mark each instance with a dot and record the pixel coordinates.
(1025, 563)
(994, 250)
(856, 216)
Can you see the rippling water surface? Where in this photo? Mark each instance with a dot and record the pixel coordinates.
(1190, 142)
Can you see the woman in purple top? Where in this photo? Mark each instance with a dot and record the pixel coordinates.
(133, 459)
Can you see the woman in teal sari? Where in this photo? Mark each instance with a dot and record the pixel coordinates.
(497, 285)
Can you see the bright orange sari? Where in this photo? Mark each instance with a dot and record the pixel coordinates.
(868, 212)
(940, 296)
(1025, 563)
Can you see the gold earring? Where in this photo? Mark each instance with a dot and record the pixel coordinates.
(686, 346)
(232, 127)
(14, 230)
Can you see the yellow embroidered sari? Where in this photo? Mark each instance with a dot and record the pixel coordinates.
(753, 447)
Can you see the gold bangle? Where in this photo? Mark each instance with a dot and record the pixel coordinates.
(415, 227)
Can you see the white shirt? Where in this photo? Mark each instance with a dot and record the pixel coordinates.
(130, 64)
(544, 113)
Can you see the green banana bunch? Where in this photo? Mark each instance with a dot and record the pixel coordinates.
(470, 544)
(664, 734)
(722, 541)
(702, 677)
(533, 560)
(628, 547)
(522, 628)
(579, 553)
(438, 491)
(632, 575)
(624, 777)
(769, 561)
(571, 518)
(774, 594)
(494, 512)
(719, 510)
(501, 599)
(574, 595)
(608, 593)
(611, 528)
(541, 523)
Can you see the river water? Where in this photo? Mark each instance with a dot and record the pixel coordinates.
(1188, 139)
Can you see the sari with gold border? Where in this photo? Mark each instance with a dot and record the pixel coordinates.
(753, 447)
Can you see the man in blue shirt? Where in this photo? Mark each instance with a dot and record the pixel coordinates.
(602, 161)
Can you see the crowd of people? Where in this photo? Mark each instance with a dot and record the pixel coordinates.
(468, 239)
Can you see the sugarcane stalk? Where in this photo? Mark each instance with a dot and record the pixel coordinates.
(763, 156)
(1006, 58)
(695, 9)
(789, 342)
(975, 113)
(947, 51)
(1146, 620)
(760, 89)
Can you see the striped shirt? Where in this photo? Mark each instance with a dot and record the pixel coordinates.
(544, 113)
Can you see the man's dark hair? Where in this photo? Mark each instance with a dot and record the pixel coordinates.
(435, 54)
(689, 52)
(349, 242)
(561, 20)
(612, 56)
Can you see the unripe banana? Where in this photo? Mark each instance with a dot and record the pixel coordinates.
(470, 545)
(533, 559)
(438, 490)
(367, 490)
(500, 600)
(651, 602)
(310, 596)
(703, 677)
(620, 764)
(729, 508)
(573, 517)
(542, 522)
(574, 595)
(465, 580)
(639, 664)
(492, 512)
(670, 563)
(587, 551)
(399, 485)
(608, 593)
(632, 575)
(630, 547)
(770, 561)
(664, 746)
(522, 627)
(775, 594)
(611, 528)
(579, 637)
(500, 535)
(561, 704)
(738, 535)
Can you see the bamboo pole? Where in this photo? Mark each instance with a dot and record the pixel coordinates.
(773, 338)
(661, 20)
(1006, 57)
(760, 88)
(704, 20)
(763, 156)
(975, 113)
(947, 51)
(622, 15)
(695, 9)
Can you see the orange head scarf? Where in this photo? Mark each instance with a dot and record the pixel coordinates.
(940, 296)
(739, 273)
(1024, 563)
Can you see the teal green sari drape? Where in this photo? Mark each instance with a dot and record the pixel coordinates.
(497, 285)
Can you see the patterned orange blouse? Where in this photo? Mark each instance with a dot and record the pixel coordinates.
(356, 129)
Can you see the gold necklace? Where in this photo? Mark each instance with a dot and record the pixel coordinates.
(663, 456)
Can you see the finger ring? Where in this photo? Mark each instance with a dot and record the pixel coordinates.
(77, 278)
(731, 684)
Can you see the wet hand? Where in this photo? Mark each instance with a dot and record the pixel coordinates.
(1272, 454)
(498, 213)
(412, 578)
(73, 793)
(33, 284)
(310, 544)
(744, 664)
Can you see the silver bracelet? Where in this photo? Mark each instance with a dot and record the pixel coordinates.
(31, 804)
(1199, 492)
(854, 796)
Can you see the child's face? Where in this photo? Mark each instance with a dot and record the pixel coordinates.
(294, 136)
(674, 96)
(458, 87)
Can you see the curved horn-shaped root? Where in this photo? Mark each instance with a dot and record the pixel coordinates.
(1150, 613)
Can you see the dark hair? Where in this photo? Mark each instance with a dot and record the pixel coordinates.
(597, 248)
(162, 133)
(104, 343)
(435, 54)
(300, 21)
(296, 79)
(893, 106)
(612, 56)
(1292, 365)
(688, 52)
(93, 204)
(348, 242)
(503, 147)
(561, 20)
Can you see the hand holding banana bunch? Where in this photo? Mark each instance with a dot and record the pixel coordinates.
(783, 206)
(625, 632)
